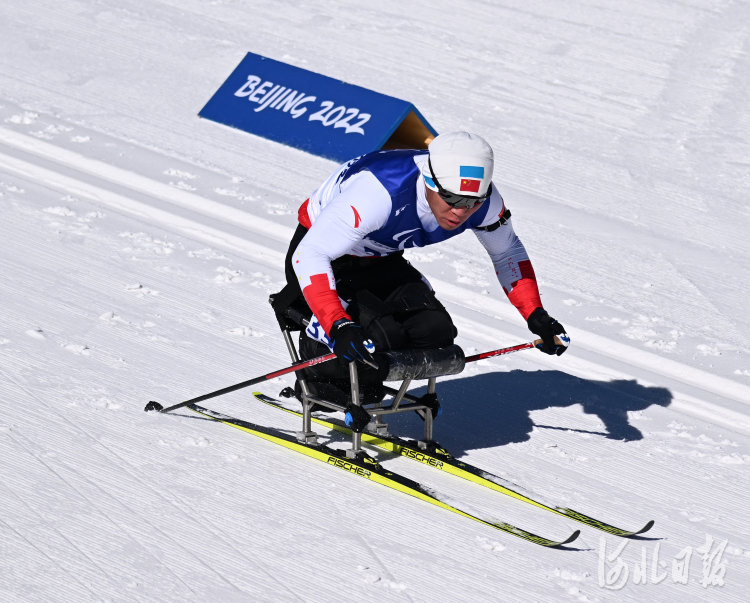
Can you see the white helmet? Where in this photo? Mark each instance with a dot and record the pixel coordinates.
(460, 163)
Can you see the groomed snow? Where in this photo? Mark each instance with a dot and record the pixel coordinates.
(140, 244)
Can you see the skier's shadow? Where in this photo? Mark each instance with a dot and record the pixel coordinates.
(493, 409)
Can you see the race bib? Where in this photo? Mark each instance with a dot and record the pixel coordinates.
(315, 331)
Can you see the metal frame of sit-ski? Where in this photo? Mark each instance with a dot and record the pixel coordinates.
(378, 411)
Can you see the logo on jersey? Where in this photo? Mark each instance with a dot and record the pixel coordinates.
(398, 211)
(357, 219)
(396, 237)
(402, 244)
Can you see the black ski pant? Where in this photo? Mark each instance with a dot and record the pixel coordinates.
(389, 298)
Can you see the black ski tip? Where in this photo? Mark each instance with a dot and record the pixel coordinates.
(645, 528)
(571, 538)
(153, 406)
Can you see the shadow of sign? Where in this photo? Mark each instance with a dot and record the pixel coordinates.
(494, 409)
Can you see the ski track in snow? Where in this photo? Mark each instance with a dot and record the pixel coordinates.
(140, 245)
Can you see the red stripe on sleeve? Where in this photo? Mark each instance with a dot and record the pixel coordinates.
(304, 218)
(524, 294)
(324, 301)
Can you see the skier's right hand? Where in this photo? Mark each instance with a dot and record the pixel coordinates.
(349, 343)
(554, 338)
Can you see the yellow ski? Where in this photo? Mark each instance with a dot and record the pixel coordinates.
(368, 468)
(439, 458)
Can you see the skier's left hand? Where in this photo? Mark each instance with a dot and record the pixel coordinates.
(542, 324)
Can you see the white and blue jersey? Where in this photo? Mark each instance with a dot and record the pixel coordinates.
(376, 205)
(391, 205)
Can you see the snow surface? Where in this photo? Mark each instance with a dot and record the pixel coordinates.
(140, 243)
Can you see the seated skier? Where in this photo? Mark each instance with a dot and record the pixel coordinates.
(346, 258)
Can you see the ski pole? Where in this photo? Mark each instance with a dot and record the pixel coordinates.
(510, 350)
(290, 369)
(153, 405)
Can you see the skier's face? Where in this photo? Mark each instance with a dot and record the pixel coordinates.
(449, 218)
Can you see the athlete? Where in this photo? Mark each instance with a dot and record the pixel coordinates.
(346, 258)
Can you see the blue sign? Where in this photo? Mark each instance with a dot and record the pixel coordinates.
(315, 113)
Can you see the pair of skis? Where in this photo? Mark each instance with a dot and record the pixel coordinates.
(436, 457)
(366, 467)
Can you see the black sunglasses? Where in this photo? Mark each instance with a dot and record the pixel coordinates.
(454, 200)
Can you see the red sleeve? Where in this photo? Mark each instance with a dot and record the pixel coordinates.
(524, 293)
(324, 301)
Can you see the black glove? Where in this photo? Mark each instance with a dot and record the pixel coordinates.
(542, 324)
(349, 343)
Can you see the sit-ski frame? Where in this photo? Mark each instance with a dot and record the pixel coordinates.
(378, 411)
